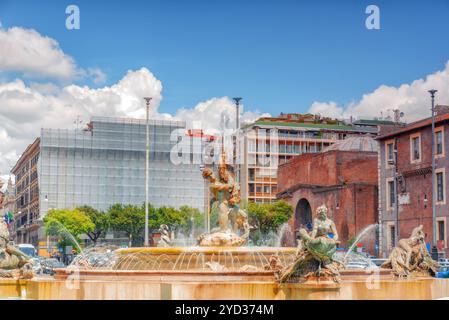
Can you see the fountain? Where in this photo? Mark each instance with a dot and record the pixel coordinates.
(358, 238)
(220, 266)
(221, 249)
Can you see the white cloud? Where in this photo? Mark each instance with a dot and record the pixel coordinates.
(329, 109)
(27, 51)
(98, 76)
(24, 109)
(27, 107)
(209, 113)
(36, 56)
(412, 99)
(121, 99)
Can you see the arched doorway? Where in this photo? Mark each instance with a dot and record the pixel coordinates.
(303, 214)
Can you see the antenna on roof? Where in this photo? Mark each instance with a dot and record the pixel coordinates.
(77, 121)
(397, 114)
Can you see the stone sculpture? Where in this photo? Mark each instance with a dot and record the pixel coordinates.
(165, 240)
(226, 199)
(13, 262)
(314, 258)
(274, 265)
(411, 257)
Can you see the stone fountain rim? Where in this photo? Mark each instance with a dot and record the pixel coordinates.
(103, 271)
(68, 271)
(206, 250)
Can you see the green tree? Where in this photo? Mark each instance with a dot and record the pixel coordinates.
(169, 216)
(129, 219)
(269, 215)
(100, 219)
(350, 242)
(178, 219)
(198, 216)
(64, 223)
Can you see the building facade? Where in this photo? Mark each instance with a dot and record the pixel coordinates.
(101, 165)
(344, 178)
(413, 199)
(26, 211)
(270, 142)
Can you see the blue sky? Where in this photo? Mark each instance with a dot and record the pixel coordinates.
(277, 55)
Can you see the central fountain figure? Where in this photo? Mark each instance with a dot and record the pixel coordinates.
(233, 227)
(314, 259)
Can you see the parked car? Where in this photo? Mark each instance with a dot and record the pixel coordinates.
(48, 265)
(28, 249)
(443, 262)
(359, 266)
(443, 272)
(378, 261)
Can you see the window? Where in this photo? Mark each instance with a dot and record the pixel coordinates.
(416, 149)
(391, 236)
(391, 196)
(441, 188)
(440, 234)
(267, 147)
(251, 174)
(389, 151)
(439, 141)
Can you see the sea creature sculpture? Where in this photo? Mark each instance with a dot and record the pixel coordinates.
(275, 266)
(216, 267)
(411, 257)
(165, 240)
(13, 262)
(314, 259)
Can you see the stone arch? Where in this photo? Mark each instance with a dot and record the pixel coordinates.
(303, 214)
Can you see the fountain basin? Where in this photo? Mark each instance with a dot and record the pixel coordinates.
(161, 285)
(200, 258)
(186, 273)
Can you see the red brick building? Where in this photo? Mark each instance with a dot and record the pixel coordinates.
(414, 168)
(343, 177)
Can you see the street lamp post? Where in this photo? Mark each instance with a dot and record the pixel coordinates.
(237, 128)
(396, 192)
(237, 111)
(434, 193)
(147, 165)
